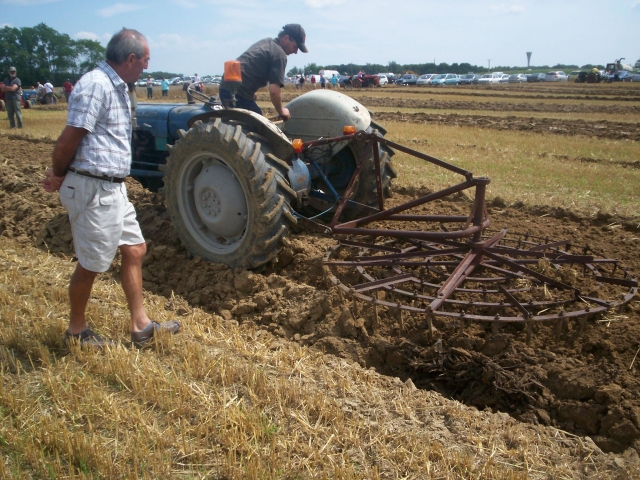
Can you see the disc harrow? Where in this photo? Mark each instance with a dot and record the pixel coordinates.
(454, 266)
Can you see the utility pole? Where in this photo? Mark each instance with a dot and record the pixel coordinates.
(489, 60)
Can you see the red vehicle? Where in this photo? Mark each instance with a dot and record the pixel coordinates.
(364, 80)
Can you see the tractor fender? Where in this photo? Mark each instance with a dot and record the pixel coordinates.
(277, 140)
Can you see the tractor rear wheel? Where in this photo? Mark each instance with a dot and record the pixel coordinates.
(227, 196)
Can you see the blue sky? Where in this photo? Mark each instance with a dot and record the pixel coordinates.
(189, 36)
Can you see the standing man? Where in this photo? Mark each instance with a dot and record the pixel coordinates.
(334, 81)
(91, 159)
(265, 63)
(149, 87)
(322, 80)
(165, 87)
(48, 92)
(67, 86)
(197, 82)
(313, 80)
(12, 89)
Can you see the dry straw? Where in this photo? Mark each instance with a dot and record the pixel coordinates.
(223, 401)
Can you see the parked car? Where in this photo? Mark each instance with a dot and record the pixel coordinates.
(468, 79)
(451, 79)
(556, 76)
(635, 77)
(175, 81)
(620, 76)
(504, 78)
(382, 80)
(489, 78)
(438, 79)
(573, 75)
(536, 77)
(157, 83)
(517, 78)
(425, 79)
(442, 78)
(407, 79)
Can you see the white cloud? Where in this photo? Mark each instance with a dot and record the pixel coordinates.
(26, 3)
(104, 38)
(119, 8)
(323, 3)
(508, 9)
(87, 35)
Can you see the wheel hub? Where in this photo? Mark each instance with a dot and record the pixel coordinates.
(220, 201)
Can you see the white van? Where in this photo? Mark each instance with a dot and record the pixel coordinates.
(329, 73)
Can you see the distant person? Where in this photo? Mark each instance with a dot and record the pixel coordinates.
(133, 100)
(48, 92)
(165, 87)
(90, 161)
(149, 84)
(265, 63)
(334, 81)
(40, 92)
(12, 89)
(313, 80)
(297, 82)
(322, 80)
(197, 82)
(302, 81)
(67, 87)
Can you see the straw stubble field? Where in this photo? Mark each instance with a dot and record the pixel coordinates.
(245, 391)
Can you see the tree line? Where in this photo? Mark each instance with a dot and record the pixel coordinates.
(422, 68)
(41, 53)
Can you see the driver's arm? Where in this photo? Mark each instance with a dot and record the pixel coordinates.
(276, 98)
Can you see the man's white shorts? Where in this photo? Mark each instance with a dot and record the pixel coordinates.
(102, 218)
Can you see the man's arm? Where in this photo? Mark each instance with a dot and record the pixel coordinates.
(10, 88)
(276, 98)
(63, 153)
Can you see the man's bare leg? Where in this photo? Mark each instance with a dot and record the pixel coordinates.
(131, 279)
(79, 291)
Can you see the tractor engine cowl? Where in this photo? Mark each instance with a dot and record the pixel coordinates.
(324, 113)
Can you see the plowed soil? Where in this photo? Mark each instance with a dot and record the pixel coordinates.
(497, 106)
(600, 129)
(584, 381)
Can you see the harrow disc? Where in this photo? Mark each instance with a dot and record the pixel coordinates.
(519, 278)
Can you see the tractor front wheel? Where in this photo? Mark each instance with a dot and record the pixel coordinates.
(226, 195)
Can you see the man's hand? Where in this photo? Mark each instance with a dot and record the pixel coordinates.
(284, 114)
(52, 183)
(276, 99)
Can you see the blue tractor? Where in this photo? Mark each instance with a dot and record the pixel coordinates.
(233, 181)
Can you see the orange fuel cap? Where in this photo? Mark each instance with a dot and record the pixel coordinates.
(349, 130)
(232, 71)
(297, 145)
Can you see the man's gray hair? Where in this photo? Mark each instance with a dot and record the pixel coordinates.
(124, 43)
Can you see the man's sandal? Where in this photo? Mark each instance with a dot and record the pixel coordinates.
(87, 338)
(142, 338)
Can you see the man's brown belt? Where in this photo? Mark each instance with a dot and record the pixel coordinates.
(104, 178)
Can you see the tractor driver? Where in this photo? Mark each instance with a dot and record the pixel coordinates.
(265, 63)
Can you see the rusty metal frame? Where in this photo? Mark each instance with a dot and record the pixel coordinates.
(467, 249)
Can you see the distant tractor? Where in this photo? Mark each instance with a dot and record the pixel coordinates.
(594, 76)
(618, 71)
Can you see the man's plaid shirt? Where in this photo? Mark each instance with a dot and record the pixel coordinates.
(100, 104)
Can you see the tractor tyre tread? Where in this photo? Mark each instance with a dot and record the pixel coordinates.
(268, 204)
